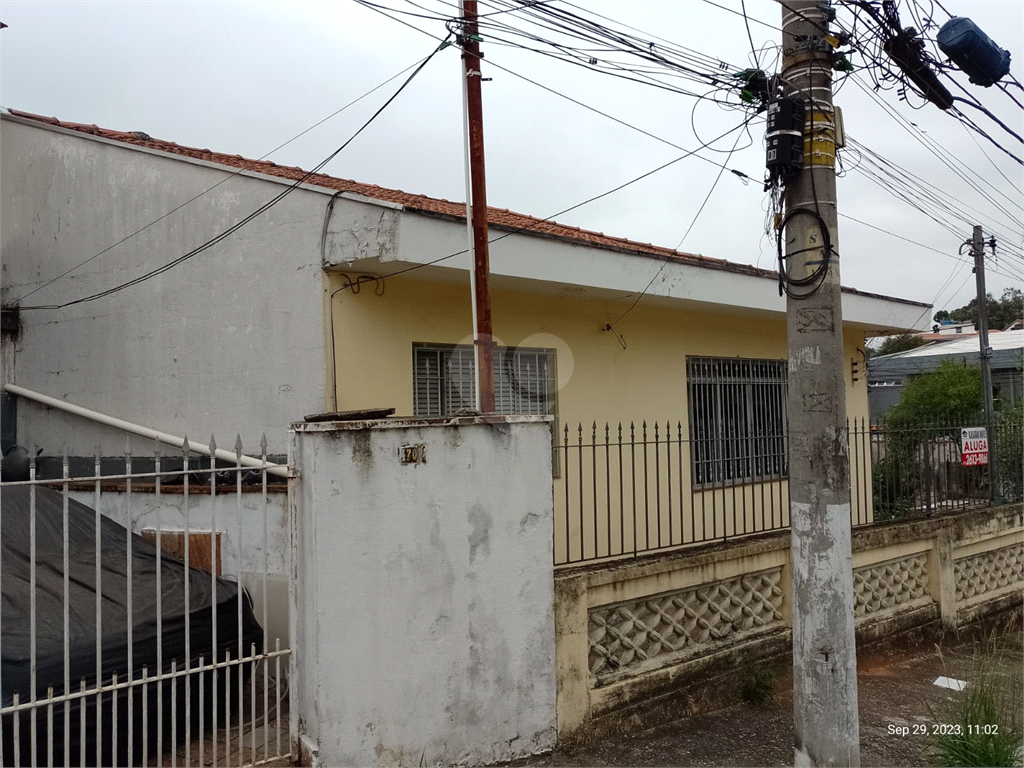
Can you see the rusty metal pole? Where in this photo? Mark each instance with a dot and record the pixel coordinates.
(483, 339)
(826, 727)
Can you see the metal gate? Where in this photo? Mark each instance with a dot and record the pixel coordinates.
(145, 610)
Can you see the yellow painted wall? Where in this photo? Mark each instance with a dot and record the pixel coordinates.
(599, 380)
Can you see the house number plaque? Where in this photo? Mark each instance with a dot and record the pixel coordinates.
(413, 454)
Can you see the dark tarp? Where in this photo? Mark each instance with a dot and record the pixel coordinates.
(204, 603)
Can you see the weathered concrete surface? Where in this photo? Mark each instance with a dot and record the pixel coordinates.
(231, 341)
(710, 726)
(425, 626)
(589, 708)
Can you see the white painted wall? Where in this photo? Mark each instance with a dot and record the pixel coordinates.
(425, 625)
(254, 538)
(422, 239)
(230, 341)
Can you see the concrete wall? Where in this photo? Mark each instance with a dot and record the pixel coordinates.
(424, 625)
(231, 341)
(633, 631)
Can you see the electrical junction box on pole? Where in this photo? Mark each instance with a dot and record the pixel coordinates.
(974, 52)
(784, 137)
(974, 446)
(840, 130)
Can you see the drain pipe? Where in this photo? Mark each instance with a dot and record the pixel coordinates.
(126, 426)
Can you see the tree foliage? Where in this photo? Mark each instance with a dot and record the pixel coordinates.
(900, 343)
(1001, 312)
(950, 395)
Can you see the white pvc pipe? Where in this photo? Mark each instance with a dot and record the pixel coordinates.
(135, 429)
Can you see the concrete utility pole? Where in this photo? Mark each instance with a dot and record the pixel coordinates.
(978, 243)
(978, 248)
(827, 731)
(476, 204)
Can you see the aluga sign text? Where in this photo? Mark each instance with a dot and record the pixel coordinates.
(975, 446)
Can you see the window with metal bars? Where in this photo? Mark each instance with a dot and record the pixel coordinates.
(444, 380)
(738, 425)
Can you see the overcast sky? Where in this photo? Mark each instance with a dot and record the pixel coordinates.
(242, 77)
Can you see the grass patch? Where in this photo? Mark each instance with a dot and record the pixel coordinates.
(982, 725)
(759, 686)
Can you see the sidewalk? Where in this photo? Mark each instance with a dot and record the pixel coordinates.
(895, 690)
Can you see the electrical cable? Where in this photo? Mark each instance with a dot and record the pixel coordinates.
(706, 73)
(611, 325)
(744, 14)
(906, 184)
(555, 92)
(953, 163)
(817, 276)
(219, 183)
(532, 224)
(750, 37)
(262, 209)
(612, 117)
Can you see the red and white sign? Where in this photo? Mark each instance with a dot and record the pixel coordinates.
(974, 442)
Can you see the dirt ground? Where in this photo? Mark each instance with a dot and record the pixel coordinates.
(896, 689)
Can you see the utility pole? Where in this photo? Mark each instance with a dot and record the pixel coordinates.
(476, 207)
(978, 248)
(827, 731)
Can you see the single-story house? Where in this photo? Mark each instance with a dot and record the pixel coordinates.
(347, 295)
(888, 374)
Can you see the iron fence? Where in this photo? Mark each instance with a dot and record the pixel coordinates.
(627, 490)
(135, 616)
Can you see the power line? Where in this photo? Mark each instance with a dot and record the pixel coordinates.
(575, 56)
(944, 156)
(531, 225)
(589, 107)
(262, 209)
(750, 37)
(661, 269)
(226, 179)
(744, 14)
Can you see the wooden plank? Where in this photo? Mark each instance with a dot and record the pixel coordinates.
(173, 544)
(368, 413)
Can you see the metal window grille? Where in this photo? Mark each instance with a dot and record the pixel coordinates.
(738, 419)
(525, 382)
(445, 381)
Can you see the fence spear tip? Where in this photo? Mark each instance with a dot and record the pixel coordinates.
(238, 444)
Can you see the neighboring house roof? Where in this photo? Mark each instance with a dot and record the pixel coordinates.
(946, 337)
(1007, 352)
(499, 218)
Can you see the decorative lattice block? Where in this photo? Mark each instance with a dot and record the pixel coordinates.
(627, 635)
(883, 586)
(986, 572)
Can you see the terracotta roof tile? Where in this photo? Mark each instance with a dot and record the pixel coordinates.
(500, 218)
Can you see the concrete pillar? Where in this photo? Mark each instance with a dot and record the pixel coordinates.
(942, 582)
(573, 643)
(424, 627)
